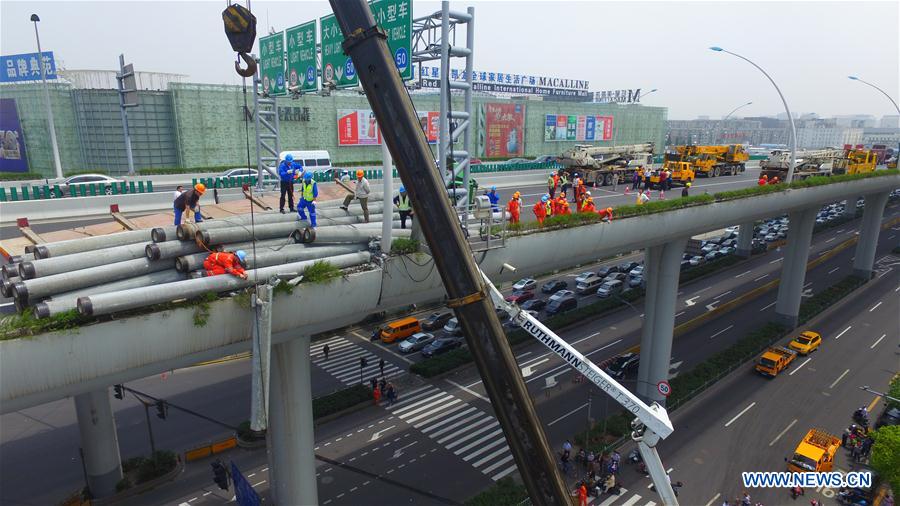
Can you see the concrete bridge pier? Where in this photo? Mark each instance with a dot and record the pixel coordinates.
(745, 240)
(850, 207)
(662, 268)
(99, 442)
(291, 437)
(868, 234)
(793, 269)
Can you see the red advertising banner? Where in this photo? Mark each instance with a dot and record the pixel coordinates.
(504, 130)
(358, 127)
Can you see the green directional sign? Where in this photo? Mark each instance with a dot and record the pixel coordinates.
(271, 64)
(395, 18)
(336, 66)
(301, 56)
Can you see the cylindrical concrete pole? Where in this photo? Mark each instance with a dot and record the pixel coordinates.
(869, 229)
(67, 301)
(663, 317)
(292, 464)
(106, 303)
(68, 263)
(387, 189)
(745, 240)
(10, 270)
(54, 249)
(652, 257)
(24, 257)
(339, 234)
(793, 272)
(850, 207)
(298, 252)
(6, 285)
(99, 442)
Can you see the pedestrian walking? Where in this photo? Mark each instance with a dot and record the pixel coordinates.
(685, 190)
(382, 385)
(325, 350)
(361, 193)
(391, 394)
(189, 201)
(309, 191)
(565, 461)
(567, 446)
(381, 367)
(374, 383)
(376, 394)
(745, 500)
(402, 203)
(288, 171)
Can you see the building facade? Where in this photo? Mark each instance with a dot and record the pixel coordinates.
(748, 131)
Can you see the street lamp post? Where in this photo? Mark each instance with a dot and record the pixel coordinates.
(642, 95)
(854, 78)
(790, 174)
(736, 110)
(37, 37)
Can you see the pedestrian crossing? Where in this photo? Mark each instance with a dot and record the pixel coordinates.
(465, 430)
(623, 499)
(343, 361)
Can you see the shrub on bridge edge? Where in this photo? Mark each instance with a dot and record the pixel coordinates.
(138, 470)
(506, 492)
(340, 400)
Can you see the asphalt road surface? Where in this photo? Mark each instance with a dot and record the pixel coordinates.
(414, 452)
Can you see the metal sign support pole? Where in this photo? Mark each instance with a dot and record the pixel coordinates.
(121, 79)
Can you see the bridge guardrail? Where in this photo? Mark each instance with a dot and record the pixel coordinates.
(46, 191)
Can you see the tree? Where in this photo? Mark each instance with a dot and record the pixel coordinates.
(894, 391)
(885, 459)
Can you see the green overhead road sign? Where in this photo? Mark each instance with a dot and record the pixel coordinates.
(395, 18)
(301, 56)
(336, 66)
(271, 64)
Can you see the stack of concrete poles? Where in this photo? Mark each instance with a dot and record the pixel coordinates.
(104, 274)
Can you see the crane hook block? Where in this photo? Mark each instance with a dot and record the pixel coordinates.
(240, 28)
(251, 65)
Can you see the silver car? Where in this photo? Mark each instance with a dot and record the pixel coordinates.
(101, 180)
(415, 342)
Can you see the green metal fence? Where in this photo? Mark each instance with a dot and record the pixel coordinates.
(42, 192)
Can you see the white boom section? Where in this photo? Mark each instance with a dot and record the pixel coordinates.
(585, 155)
(652, 422)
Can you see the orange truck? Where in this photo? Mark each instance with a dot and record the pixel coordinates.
(815, 452)
(774, 360)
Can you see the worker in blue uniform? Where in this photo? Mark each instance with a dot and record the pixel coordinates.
(309, 191)
(288, 171)
(494, 197)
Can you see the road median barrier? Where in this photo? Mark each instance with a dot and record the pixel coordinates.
(201, 452)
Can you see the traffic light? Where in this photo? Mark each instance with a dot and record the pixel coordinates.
(119, 391)
(362, 362)
(161, 409)
(220, 475)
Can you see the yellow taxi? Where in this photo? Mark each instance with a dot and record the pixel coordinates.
(806, 343)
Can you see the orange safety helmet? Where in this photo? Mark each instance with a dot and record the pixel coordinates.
(360, 174)
(764, 176)
(517, 194)
(200, 188)
(609, 209)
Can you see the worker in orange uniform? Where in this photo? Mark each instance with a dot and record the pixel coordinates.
(514, 206)
(580, 190)
(226, 263)
(763, 180)
(582, 494)
(562, 205)
(774, 180)
(588, 205)
(606, 214)
(540, 209)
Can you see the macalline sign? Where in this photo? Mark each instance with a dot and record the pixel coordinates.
(26, 67)
(498, 82)
(618, 96)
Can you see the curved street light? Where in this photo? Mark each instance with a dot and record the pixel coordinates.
(642, 95)
(736, 110)
(854, 78)
(790, 174)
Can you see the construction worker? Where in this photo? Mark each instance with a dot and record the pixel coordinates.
(540, 209)
(606, 214)
(494, 197)
(223, 262)
(562, 205)
(402, 203)
(189, 200)
(552, 184)
(763, 180)
(309, 191)
(514, 206)
(774, 180)
(642, 198)
(580, 190)
(684, 191)
(588, 205)
(563, 181)
(287, 173)
(361, 193)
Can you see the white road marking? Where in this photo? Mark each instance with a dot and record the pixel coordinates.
(741, 413)
(726, 329)
(782, 432)
(876, 342)
(721, 295)
(468, 390)
(711, 501)
(7, 304)
(579, 408)
(761, 277)
(251, 475)
(630, 502)
(839, 379)
(702, 290)
(743, 274)
(829, 240)
(832, 271)
(799, 366)
(613, 498)
(258, 484)
(776, 260)
(679, 314)
(875, 306)
(767, 307)
(844, 332)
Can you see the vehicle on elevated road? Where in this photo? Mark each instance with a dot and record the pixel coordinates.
(815, 452)
(806, 343)
(598, 165)
(101, 181)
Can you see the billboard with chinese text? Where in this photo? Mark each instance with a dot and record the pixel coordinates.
(26, 67)
(503, 135)
(12, 140)
(358, 127)
(570, 127)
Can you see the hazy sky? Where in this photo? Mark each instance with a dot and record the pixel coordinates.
(809, 48)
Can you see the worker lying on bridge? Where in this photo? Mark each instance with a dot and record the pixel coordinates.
(226, 263)
(763, 180)
(309, 191)
(606, 214)
(514, 206)
(561, 205)
(774, 180)
(540, 209)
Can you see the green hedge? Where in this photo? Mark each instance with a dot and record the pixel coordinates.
(143, 469)
(431, 367)
(506, 492)
(822, 300)
(616, 425)
(708, 267)
(340, 400)
(21, 176)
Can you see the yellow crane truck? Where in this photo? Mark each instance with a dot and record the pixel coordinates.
(815, 452)
(774, 360)
(713, 161)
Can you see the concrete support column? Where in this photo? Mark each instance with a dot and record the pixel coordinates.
(850, 207)
(291, 436)
(660, 356)
(99, 442)
(868, 235)
(793, 270)
(745, 240)
(652, 257)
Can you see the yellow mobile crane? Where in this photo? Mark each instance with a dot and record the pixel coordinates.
(597, 165)
(714, 161)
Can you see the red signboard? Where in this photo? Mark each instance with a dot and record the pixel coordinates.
(504, 130)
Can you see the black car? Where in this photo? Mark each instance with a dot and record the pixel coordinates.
(562, 304)
(606, 271)
(627, 266)
(436, 321)
(441, 345)
(554, 285)
(888, 417)
(534, 305)
(622, 365)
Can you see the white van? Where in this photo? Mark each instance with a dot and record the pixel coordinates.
(313, 161)
(588, 285)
